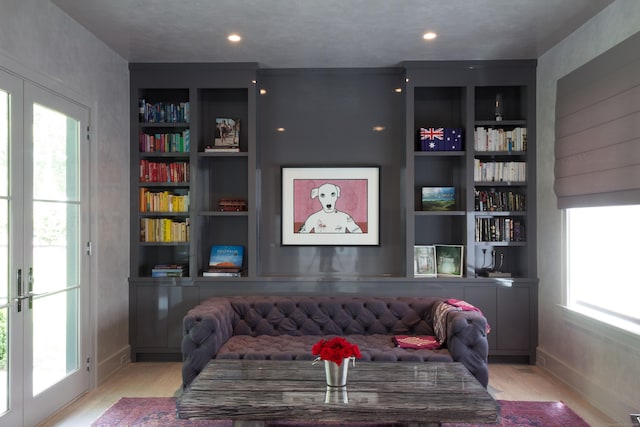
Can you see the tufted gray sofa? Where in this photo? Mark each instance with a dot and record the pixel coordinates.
(285, 328)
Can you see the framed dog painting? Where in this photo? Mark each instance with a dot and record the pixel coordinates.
(336, 206)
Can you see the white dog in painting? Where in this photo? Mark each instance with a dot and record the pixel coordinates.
(329, 219)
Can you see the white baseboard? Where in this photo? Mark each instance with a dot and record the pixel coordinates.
(112, 364)
(604, 399)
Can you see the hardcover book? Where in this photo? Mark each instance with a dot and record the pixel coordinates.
(424, 261)
(226, 257)
(438, 198)
(227, 135)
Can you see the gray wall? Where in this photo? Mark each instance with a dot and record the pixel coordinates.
(601, 362)
(41, 43)
(329, 118)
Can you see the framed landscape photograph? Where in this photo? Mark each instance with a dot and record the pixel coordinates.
(449, 260)
(336, 206)
(424, 261)
(438, 198)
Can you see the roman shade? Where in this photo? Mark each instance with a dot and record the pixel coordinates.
(597, 145)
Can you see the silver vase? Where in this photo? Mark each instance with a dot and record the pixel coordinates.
(336, 374)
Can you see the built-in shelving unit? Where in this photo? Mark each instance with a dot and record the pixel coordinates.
(329, 120)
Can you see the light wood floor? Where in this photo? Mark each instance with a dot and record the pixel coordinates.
(507, 382)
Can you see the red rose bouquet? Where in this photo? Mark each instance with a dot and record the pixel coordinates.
(335, 350)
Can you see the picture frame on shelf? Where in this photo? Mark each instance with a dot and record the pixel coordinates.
(449, 260)
(335, 206)
(424, 261)
(438, 198)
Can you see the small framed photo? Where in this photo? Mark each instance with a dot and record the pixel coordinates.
(449, 260)
(438, 198)
(331, 205)
(424, 261)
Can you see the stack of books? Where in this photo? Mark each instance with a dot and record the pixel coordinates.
(167, 270)
(225, 261)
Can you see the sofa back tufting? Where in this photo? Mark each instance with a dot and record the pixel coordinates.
(331, 316)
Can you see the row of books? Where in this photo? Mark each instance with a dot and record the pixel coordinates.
(499, 171)
(165, 142)
(163, 201)
(164, 230)
(162, 112)
(164, 171)
(499, 201)
(498, 229)
(168, 270)
(489, 139)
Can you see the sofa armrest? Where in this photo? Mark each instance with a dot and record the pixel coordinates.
(467, 342)
(205, 328)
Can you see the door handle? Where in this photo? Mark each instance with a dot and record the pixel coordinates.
(29, 295)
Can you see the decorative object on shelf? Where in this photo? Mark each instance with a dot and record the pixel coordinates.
(449, 260)
(424, 261)
(438, 198)
(495, 269)
(232, 205)
(336, 354)
(330, 205)
(499, 107)
(440, 139)
(227, 136)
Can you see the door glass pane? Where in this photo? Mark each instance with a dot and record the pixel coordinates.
(55, 339)
(4, 247)
(56, 246)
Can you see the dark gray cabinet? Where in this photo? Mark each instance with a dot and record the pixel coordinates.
(333, 117)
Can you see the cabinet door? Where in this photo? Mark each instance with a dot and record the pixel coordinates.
(513, 319)
(158, 318)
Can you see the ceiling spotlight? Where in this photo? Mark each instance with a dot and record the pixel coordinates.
(378, 128)
(234, 38)
(263, 91)
(280, 129)
(398, 90)
(429, 36)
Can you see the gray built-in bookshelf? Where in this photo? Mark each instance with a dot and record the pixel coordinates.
(333, 117)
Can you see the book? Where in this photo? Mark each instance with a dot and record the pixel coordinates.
(221, 274)
(438, 198)
(227, 135)
(226, 256)
(167, 270)
(424, 261)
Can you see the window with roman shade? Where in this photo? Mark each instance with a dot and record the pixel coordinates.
(597, 146)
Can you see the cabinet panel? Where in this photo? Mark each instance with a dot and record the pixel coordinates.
(158, 316)
(513, 318)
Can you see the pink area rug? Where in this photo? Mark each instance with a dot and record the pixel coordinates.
(161, 412)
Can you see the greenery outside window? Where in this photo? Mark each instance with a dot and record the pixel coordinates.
(602, 258)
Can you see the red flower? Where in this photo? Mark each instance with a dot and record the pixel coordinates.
(335, 350)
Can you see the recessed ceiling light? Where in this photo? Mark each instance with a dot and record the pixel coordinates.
(378, 128)
(234, 38)
(398, 90)
(429, 36)
(263, 91)
(280, 129)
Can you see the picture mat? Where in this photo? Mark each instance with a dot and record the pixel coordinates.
(320, 175)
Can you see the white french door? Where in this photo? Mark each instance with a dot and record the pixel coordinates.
(43, 268)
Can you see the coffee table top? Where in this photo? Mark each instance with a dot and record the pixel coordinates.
(402, 392)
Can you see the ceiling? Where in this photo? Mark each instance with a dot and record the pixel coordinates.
(329, 33)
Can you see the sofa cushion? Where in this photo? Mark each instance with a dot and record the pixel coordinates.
(375, 347)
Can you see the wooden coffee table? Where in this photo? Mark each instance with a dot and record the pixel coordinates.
(256, 392)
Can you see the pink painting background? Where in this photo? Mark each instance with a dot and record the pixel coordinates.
(352, 200)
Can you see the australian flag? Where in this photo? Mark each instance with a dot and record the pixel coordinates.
(431, 139)
(452, 139)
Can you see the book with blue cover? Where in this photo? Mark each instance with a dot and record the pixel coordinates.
(226, 257)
